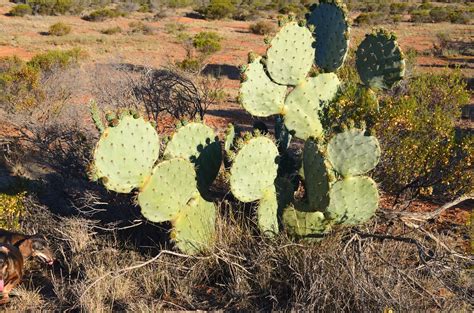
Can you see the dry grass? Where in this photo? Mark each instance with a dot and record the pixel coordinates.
(344, 272)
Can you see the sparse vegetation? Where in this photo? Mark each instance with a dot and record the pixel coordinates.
(101, 15)
(59, 29)
(21, 9)
(140, 28)
(111, 30)
(262, 28)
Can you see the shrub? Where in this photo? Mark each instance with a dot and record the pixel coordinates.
(398, 8)
(420, 16)
(11, 209)
(101, 15)
(111, 30)
(50, 7)
(207, 42)
(190, 65)
(55, 59)
(262, 28)
(439, 14)
(219, 9)
(370, 18)
(21, 9)
(140, 28)
(59, 29)
(460, 17)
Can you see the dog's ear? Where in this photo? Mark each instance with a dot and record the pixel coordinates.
(4, 249)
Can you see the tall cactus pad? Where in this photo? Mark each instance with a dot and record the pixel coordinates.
(170, 187)
(331, 31)
(291, 54)
(380, 61)
(353, 200)
(254, 169)
(301, 224)
(352, 153)
(316, 177)
(267, 213)
(125, 154)
(303, 104)
(258, 94)
(198, 143)
(194, 226)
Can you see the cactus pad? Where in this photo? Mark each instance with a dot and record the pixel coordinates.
(267, 212)
(380, 61)
(198, 143)
(254, 169)
(125, 154)
(303, 104)
(258, 94)
(331, 31)
(352, 153)
(353, 200)
(301, 224)
(229, 137)
(171, 185)
(291, 54)
(194, 226)
(316, 177)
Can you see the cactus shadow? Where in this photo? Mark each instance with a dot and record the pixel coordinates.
(232, 72)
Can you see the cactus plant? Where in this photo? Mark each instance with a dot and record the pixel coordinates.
(332, 165)
(125, 157)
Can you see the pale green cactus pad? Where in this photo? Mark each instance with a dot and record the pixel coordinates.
(258, 94)
(380, 61)
(352, 153)
(171, 185)
(125, 154)
(267, 212)
(316, 176)
(301, 224)
(291, 55)
(254, 169)
(194, 226)
(331, 31)
(303, 104)
(198, 143)
(229, 137)
(353, 200)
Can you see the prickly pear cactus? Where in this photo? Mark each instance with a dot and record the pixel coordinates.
(125, 158)
(379, 60)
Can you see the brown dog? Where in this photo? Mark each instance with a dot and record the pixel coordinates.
(11, 270)
(29, 245)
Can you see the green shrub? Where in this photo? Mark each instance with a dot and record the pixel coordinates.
(262, 28)
(55, 59)
(140, 28)
(460, 17)
(111, 30)
(439, 14)
(398, 7)
(219, 9)
(207, 42)
(292, 8)
(420, 16)
(21, 9)
(12, 208)
(59, 29)
(191, 65)
(50, 7)
(103, 14)
(370, 18)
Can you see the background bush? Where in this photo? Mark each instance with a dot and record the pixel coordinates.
(21, 9)
(262, 28)
(207, 42)
(59, 29)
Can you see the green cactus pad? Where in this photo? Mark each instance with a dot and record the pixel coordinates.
(194, 226)
(353, 200)
(198, 143)
(352, 153)
(303, 104)
(316, 177)
(331, 31)
(301, 224)
(229, 137)
(291, 54)
(258, 94)
(171, 185)
(267, 212)
(254, 169)
(125, 154)
(380, 61)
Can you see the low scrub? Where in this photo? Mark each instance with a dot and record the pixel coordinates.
(207, 42)
(21, 9)
(140, 28)
(50, 7)
(59, 29)
(263, 28)
(101, 15)
(218, 9)
(111, 30)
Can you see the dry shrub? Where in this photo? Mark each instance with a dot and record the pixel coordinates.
(348, 271)
(262, 28)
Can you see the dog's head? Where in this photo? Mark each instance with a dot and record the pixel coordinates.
(40, 249)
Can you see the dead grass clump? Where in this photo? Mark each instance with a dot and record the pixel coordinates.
(350, 270)
(262, 28)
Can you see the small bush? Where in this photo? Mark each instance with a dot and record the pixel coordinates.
(207, 42)
(370, 18)
(262, 28)
(111, 30)
(218, 9)
(190, 65)
(140, 28)
(59, 29)
(439, 14)
(101, 15)
(55, 59)
(21, 9)
(12, 208)
(50, 7)
(460, 17)
(420, 16)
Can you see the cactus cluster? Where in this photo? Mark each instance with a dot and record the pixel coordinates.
(284, 83)
(126, 158)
